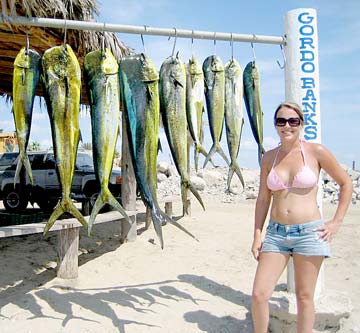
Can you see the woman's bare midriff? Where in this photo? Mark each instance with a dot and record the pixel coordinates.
(295, 206)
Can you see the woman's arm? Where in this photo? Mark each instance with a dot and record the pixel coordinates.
(262, 206)
(329, 163)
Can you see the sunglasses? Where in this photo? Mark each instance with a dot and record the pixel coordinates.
(293, 122)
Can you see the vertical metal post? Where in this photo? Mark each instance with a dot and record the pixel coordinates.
(302, 86)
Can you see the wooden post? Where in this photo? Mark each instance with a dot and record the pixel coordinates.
(68, 245)
(128, 187)
(169, 209)
(148, 218)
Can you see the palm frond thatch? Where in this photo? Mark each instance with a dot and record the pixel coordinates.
(13, 38)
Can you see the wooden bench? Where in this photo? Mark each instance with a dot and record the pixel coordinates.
(68, 237)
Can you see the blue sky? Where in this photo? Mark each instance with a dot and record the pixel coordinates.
(339, 55)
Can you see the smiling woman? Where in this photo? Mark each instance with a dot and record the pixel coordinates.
(288, 178)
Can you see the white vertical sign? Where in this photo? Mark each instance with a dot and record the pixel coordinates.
(303, 87)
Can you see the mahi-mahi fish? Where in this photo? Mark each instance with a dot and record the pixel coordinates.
(62, 85)
(140, 94)
(173, 111)
(234, 119)
(195, 105)
(102, 82)
(253, 104)
(215, 102)
(25, 79)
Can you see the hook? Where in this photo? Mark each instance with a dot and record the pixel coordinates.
(173, 50)
(284, 58)
(214, 43)
(142, 39)
(252, 47)
(232, 46)
(65, 34)
(192, 43)
(103, 40)
(27, 43)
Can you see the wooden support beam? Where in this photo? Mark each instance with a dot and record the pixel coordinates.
(68, 245)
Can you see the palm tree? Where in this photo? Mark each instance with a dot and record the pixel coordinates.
(34, 146)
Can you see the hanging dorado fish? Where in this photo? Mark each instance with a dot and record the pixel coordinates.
(234, 119)
(25, 79)
(173, 111)
(214, 92)
(195, 105)
(253, 104)
(62, 84)
(102, 83)
(139, 91)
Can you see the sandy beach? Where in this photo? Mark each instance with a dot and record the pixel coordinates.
(189, 287)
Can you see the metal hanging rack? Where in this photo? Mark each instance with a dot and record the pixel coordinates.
(141, 30)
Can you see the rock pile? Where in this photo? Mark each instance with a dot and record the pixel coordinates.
(211, 182)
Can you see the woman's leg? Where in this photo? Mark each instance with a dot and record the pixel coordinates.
(306, 272)
(270, 267)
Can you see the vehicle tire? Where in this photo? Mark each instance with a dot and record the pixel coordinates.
(47, 205)
(13, 201)
(88, 203)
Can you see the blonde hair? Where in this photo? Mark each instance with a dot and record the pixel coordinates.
(292, 105)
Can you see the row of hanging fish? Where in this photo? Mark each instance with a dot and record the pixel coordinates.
(178, 92)
(225, 87)
(61, 78)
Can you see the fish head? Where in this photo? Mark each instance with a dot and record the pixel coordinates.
(27, 58)
(232, 69)
(216, 64)
(149, 72)
(194, 66)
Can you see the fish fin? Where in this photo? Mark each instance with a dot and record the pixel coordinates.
(234, 167)
(103, 198)
(210, 154)
(65, 205)
(23, 160)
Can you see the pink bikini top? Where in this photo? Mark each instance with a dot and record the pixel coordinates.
(305, 178)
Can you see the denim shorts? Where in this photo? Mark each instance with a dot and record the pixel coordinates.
(301, 239)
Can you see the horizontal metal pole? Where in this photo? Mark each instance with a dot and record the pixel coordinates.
(144, 30)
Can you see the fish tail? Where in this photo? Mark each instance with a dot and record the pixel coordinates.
(65, 205)
(222, 154)
(178, 225)
(106, 197)
(188, 185)
(261, 151)
(159, 219)
(234, 167)
(23, 159)
(210, 154)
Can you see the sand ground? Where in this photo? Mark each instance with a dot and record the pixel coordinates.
(188, 287)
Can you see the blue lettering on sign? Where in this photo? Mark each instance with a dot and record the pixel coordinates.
(308, 66)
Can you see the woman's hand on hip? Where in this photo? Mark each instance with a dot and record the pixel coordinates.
(256, 247)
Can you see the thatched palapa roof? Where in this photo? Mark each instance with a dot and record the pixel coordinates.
(13, 38)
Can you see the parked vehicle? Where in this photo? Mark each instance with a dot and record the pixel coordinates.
(46, 190)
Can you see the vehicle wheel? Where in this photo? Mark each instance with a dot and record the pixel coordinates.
(13, 201)
(88, 203)
(47, 205)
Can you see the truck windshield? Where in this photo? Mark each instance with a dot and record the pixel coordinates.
(84, 161)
